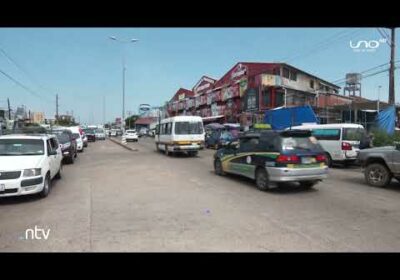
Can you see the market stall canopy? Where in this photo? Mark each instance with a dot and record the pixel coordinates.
(214, 126)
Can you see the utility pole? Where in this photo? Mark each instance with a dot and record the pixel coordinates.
(56, 108)
(9, 109)
(104, 109)
(391, 74)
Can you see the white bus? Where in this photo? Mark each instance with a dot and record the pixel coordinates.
(180, 134)
(340, 141)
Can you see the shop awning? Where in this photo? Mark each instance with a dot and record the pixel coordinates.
(212, 118)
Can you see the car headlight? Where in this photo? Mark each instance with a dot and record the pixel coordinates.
(32, 172)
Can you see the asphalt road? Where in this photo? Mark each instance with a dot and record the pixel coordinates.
(113, 199)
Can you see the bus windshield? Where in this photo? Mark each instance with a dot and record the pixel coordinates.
(188, 128)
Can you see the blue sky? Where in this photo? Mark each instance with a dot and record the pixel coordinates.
(82, 65)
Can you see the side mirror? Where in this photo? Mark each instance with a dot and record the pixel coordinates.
(52, 153)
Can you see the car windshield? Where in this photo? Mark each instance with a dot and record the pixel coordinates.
(89, 131)
(76, 135)
(130, 131)
(63, 138)
(99, 131)
(21, 147)
(188, 128)
(353, 134)
(300, 143)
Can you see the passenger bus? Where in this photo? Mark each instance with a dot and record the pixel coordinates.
(340, 141)
(180, 134)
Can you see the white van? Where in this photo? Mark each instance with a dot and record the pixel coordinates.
(180, 134)
(341, 141)
(77, 132)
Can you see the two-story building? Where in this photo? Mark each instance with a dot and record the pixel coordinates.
(248, 89)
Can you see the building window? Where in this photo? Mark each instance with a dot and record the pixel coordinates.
(279, 99)
(266, 98)
(285, 73)
(293, 75)
(311, 83)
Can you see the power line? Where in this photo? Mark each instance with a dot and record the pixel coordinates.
(20, 84)
(364, 71)
(22, 69)
(325, 44)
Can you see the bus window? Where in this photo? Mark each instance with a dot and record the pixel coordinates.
(326, 133)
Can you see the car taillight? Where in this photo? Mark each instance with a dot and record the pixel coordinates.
(287, 159)
(346, 146)
(320, 158)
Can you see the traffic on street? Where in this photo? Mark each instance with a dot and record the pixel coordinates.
(177, 150)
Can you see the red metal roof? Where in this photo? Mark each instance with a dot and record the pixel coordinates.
(188, 93)
(253, 68)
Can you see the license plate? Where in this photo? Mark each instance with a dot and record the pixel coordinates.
(2, 187)
(307, 160)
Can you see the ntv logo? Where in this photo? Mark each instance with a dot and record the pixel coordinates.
(36, 234)
(367, 46)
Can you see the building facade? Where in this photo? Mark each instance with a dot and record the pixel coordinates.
(248, 89)
(37, 117)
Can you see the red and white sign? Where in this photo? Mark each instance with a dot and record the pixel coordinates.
(238, 72)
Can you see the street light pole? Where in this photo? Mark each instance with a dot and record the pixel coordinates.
(379, 90)
(123, 74)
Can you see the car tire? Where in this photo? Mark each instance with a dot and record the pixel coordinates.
(308, 184)
(218, 167)
(71, 160)
(192, 154)
(328, 160)
(377, 175)
(262, 180)
(47, 187)
(167, 153)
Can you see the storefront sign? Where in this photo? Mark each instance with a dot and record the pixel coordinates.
(181, 96)
(209, 99)
(242, 87)
(239, 71)
(200, 88)
(271, 80)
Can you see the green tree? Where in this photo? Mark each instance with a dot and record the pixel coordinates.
(130, 121)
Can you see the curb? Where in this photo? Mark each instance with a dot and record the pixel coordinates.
(122, 145)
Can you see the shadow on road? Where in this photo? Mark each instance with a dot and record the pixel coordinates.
(286, 188)
(25, 198)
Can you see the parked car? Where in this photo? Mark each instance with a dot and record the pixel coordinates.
(100, 134)
(142, 132)
(90, 134)
(28, 163)
(131, 135)
(68, 144)
(272, 156)
(113, 133)
(380, 164)
(340, 141)
(85, 140)
(78, 134)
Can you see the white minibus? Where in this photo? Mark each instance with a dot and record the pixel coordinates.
(180, 134)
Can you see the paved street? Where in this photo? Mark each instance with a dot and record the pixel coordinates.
(113, 199)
